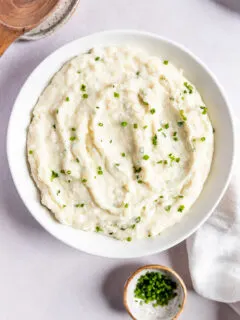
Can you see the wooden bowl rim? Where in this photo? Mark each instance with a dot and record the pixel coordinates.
(155, 266)
(29, 27)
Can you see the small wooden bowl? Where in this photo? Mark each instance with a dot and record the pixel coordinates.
(17, 17)
(134, 308)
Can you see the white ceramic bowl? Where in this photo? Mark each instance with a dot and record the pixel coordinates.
(219, 112)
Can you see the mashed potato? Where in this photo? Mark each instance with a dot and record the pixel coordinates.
(120, 143)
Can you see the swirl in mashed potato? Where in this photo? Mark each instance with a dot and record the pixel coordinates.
(120, 143)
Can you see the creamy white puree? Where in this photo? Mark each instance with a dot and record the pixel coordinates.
(120, 143)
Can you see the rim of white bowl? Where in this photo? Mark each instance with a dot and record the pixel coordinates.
(186, 234)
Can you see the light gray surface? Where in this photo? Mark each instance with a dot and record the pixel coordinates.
(41, 278)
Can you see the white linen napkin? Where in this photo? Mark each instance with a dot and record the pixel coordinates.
(214, 250)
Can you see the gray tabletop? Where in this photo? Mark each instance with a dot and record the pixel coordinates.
(41, 278)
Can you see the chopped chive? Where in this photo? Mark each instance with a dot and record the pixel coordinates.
(140, 181)
(110, 141)
(67, 99)
(166, 126)
(162, 77)
(189, 87)
(129, 239)
(73, 129)
(97, 58)
(135, 125)
(160, 129)
(153, 111)
(54, 126)
(137, 73)
(123, 154)
(30, 152)
(72, 138)
(63, 206)
(126, 205)
(145, 157)
(85, 96)
(117, 164)
(203, 139)
(116, 95)
(84, 180)
(138, 219)
(83, 87)
(100, 171)
(124, 124)
(154, 140)
(168, 208)
(160, 162)
(77, 160)
(78, 71)
(100, 124)
(145, 127)
(137, 170)
(165, 162)
(171, 98)
(165, 62)
(182, 114)
(204, 109)
(175, 138)
(68, 171)
(54, 175)
(181, 208)
(180, 123)
(97, 107)
(58, 192)
(98, 229)
(62, 171)
(79, 205)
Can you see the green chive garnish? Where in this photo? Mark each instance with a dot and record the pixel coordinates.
(189, 87)
(204, 109)
(168, 208)
(54, 175)
(181, 208)
(154, 140)
(98, 229)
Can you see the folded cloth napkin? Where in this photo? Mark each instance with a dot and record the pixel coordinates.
(214, 250)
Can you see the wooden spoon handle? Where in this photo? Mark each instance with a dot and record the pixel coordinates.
(7, 36)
